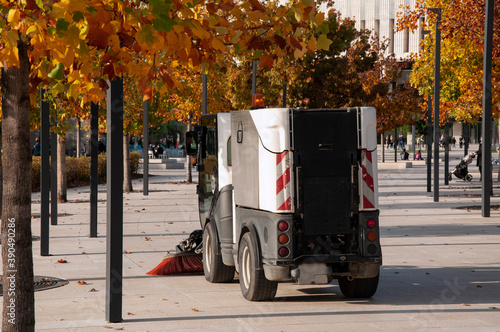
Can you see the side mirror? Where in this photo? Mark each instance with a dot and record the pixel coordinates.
(191, 143)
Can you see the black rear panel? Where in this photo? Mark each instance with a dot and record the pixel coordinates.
(325, 153)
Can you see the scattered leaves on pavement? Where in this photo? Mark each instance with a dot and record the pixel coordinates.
(62, 261)
(81, 282)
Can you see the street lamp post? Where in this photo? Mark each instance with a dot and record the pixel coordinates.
(437, 88)
(487, 100)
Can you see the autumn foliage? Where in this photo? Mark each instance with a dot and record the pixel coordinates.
(462, 33)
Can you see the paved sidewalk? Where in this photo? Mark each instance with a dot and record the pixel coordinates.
(441, 267)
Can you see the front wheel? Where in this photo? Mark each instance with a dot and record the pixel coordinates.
(253, 282)
(468, 177)
(213, 267)
(360, 288)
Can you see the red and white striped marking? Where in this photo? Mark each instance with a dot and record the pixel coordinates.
(283, 192)
(368, 186)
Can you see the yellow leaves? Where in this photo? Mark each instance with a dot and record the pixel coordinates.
(218, 44)
(14, 16)
(10, 55)
(312, 44)
(323, 43)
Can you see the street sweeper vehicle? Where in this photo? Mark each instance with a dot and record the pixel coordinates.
(289, 194)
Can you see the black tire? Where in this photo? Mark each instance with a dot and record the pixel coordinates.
(360, 288)
(449, 177)
(253, 282)
(214, 269)
(468, 177)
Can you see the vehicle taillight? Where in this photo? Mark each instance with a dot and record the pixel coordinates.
(371, 236)
(371, 223)
(283, 226)
(283, 251)
(283, 239)
(257, 101)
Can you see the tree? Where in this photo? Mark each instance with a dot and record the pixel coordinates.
(462, 35)
(81, 44)
(18, 297)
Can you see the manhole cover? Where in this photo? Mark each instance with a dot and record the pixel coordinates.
(42, 283)
(477, 207)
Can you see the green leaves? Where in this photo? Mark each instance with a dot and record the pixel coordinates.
(57, 72)
(323, 42)
(163, 23)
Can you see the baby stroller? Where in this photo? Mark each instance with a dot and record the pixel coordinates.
(460, 170)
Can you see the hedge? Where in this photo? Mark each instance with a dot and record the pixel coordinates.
(78, 170)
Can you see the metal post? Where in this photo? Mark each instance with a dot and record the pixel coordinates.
(114, 215)
(204, 103)
(437, 85)
(395, 145)
(383, 147)
(94, 175)
(44, 174)
(466, 139)
(78, 125)
(145, 147)
(284, 94)
(53, 173)
(429, 143)
(254, 77)
(413, 138)
(487, 100)
(446, 151)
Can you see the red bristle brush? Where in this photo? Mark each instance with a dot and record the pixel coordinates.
(178, 263)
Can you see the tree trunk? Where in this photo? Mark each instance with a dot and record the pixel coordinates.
(127, 173)
(189, 173)
(17, 256)
(62, 182)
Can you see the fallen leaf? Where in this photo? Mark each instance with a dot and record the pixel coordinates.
(492, 308)
(147, 238)
(129, 313)
(479, 286)
(176, 302)
(195, 310)
(91, 290)
(126, 252)
(81, 282)
(465, 305)
(140, 296)
(62, 261)
(162, 299)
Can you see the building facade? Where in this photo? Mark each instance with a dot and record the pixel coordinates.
(380, 17)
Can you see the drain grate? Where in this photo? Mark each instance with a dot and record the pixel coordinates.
(42, 283)
(478, 207)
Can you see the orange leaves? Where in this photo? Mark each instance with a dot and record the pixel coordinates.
(266, 62)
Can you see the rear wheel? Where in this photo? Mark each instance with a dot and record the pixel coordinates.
(468, 177)
(214, 269)
(358, 287)
(253, 282)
